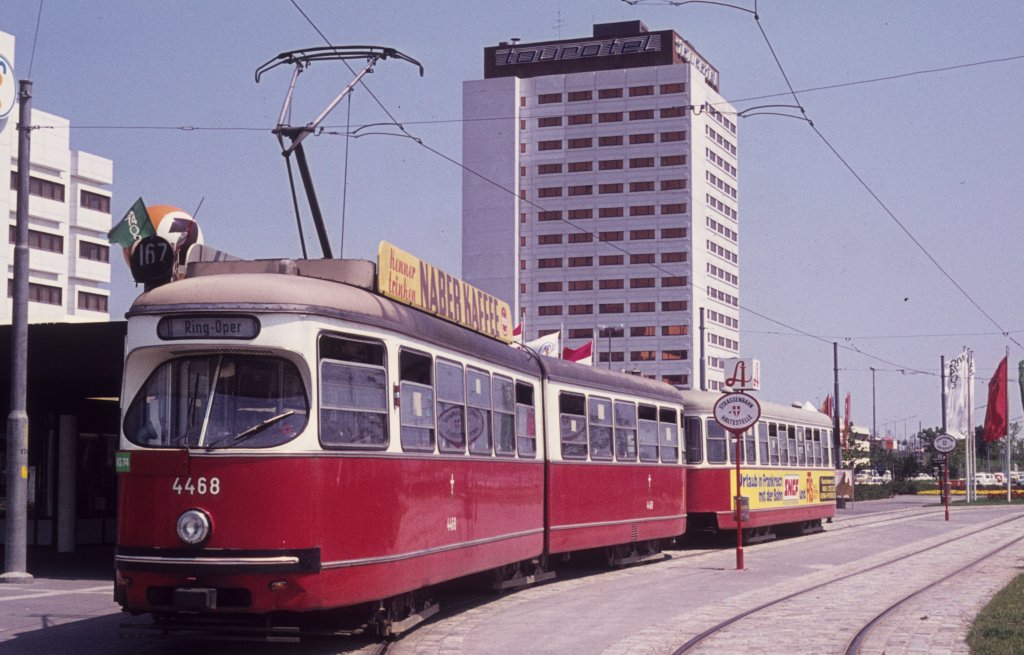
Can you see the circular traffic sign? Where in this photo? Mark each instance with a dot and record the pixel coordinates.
(944, 443)
(152, 260)
(737, 411)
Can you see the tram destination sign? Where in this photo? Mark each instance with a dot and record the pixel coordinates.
(208, 327)
(412, 281)
(944, 443)
(737, 411)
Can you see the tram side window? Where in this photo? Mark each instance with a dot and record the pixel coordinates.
(478, 412)
(783, 451)
(526, 420)
(504, 392)
(648, 433)
(801, 447)
(694, 436)
(353, 393)
(816, 445)
(600, 415)
(668, 426)
(451, 408)
(791, 433)
(572, 425)
(416, 396)
(750, 446)
(718, 445)
(826, 436)
(625, 431)
(762, 442)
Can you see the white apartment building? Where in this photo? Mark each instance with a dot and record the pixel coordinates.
(601, 198)
(69, 217)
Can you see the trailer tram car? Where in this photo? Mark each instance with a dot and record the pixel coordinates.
(786, 469)
(294, 442)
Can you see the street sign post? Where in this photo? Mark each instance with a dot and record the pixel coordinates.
(738, 412)
(945, 444)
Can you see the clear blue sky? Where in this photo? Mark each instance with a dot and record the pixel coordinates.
(942, 150)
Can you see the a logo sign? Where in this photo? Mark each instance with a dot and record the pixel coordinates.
(737, 411)
(690, 56)
(8, 87)
(122, 462)
(533, 54)
(414, 282)
(944, 443)
(742, 374)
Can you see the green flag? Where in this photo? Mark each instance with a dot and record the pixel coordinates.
(134, 226)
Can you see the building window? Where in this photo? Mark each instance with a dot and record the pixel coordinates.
(609, 117)
(93, 302)
(582, 142)
(641, 162)
(549, 192)
(672, 112)
(640, 235)
(549, 310)
(636, 91)
(673, 306)
(549, 98)
(668, 137)
(674, 281)
(97, 252)
(609, 212)
(582, 190)
(545, 287)
(549, 145)
(673, 257)
(643, 355)
(610, 236)
(641, 283)
(642, 331)
(551, 215)
(675, 330)
(581, 285)
(610, 188)
(95, 201)
(636, 187)
(613, 140)
(674, 355)
(640, 139)
(641, 114)
(40, 240)
(674, 208)
(548, 169)
(548, 239)
(581, 119)
(610, 260)
(549, 121)
(581, 333)
(580, 96)
(578, 310)
(549, 262)
(607, 94)
(611, 308)
(577, 214)
(673, 185)
(641, 210)
(611, 284)
(609, 165)
(677, 87)
(642, 258)
(40, 293)
(617, 356)
(43, 188)
(674, 160)
(673, 233)
(581, 261)
(642, 307)
(581, 237)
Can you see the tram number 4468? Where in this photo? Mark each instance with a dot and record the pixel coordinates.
(200, 486)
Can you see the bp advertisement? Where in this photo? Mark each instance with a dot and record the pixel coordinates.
(771, 488)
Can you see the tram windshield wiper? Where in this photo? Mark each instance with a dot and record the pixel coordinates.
(248, 432)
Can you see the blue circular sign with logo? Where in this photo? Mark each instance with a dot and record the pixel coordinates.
(8, 87)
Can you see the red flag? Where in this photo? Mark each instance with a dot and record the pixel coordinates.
(826, 406)
(846, 424)
(584, 352)
(995, 415)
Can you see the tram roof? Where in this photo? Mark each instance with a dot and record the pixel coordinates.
(704, 402)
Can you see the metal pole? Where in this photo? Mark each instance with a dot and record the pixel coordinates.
(738, 499)
(1006, 402)
(835, 406)
(703, 358)
(945, 479)
(16, 534)
(874, 425)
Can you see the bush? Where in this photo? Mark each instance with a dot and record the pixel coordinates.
(873, 491)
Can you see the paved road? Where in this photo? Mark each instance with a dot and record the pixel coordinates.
(649, 609)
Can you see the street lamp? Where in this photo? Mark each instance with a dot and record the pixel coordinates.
(608, 333)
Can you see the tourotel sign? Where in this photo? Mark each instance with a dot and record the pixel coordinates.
(578, 50)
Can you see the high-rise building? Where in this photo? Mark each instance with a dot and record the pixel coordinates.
(69, 215)
(601, 198)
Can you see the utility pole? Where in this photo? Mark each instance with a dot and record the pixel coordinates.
(16, 534)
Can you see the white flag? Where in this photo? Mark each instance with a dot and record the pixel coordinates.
(546, 345)
(959, 380)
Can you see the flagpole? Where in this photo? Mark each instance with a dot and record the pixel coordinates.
(1006, 404)
(971, 446)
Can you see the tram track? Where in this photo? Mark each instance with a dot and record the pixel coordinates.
(718, 629)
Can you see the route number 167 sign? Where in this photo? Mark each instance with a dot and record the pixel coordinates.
(737, 411)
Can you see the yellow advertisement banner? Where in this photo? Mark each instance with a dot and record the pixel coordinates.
(771, 488)
(412, 281)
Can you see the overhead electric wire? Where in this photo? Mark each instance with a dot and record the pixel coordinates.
(35, 39)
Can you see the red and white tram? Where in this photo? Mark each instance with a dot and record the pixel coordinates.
(787, 469)
(294, 441)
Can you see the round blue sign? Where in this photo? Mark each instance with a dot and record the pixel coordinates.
(8, 87)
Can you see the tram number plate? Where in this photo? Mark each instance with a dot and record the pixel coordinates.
(196, 487)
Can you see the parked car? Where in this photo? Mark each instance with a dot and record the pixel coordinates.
(982, 480)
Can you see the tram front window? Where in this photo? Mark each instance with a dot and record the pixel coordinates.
(219, 401)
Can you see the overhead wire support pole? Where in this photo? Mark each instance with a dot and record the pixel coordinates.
(301, 59)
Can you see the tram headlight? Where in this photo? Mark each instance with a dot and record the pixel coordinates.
(193, 526)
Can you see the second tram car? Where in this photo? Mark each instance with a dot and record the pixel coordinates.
(293, 442)
(787, 470)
